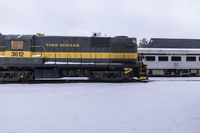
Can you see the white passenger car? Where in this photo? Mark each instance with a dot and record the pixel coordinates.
(171, 61)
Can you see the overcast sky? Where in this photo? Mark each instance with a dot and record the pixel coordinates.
(138, 18)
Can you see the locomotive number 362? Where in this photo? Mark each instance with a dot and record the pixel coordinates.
(17, 54)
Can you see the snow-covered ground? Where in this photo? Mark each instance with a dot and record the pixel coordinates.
(165, 105)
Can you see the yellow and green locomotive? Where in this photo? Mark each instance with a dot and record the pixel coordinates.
(30, 57)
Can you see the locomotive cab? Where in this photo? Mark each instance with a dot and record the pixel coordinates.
(18, 50)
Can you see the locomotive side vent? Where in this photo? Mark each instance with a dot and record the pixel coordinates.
(100, 42)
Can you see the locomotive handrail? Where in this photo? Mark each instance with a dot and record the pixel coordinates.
(40, 47)
(41, 52)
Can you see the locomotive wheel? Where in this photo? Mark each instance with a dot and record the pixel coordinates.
(107, 76)
(14, 76)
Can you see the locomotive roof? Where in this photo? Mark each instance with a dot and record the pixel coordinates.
(173, 43)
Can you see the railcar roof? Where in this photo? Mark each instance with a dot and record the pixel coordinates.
(168, 50)
(173, 43)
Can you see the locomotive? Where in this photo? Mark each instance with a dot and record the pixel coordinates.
(31, 57)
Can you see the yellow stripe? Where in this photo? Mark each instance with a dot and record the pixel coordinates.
(24, 54)
(74, 55)
(87, 55)
(2, 53)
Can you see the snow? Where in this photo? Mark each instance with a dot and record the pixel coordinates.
(79, 63)
(164, 105)
(39, 55)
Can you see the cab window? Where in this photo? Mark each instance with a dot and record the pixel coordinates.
(17, 45)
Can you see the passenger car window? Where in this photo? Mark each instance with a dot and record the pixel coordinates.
(150, 58)
(190, 58)
(162, 58)
(175, 58)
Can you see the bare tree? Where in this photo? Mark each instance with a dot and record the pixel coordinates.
(143, 43)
